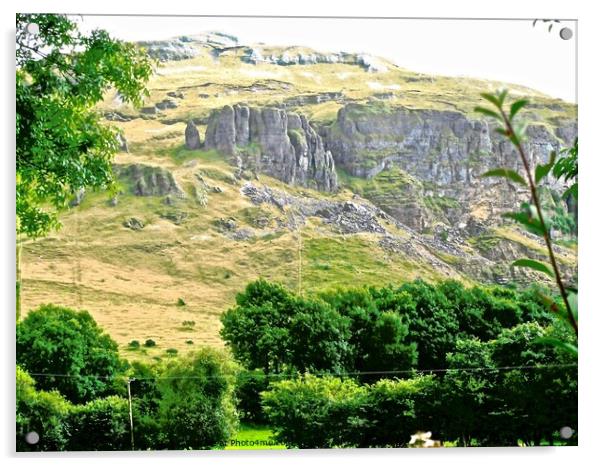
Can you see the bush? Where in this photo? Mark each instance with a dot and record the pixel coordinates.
(171, 351)
(134, 344)
(58, 340)
(180, 302)
(189, 342)
(101, 425)
(396, 409)
(312, 412)
(45, 413)
(249, 385)
(150, 343)
(196, 407)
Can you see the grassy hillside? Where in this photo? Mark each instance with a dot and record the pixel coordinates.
(134, 282)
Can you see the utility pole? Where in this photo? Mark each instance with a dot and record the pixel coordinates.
(129, 381)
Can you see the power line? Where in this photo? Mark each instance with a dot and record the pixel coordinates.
(321, 374)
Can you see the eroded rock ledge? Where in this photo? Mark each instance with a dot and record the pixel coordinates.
(275, 142)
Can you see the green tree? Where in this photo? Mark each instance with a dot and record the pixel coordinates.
(433, 324)
(100, 425)
(379, 328)
(69, 351)
(467, 392)
(398, 408)
(275, 330)
(45, 413)
(538, 395)
(316, 412)
(256, 328)
(197, 408)
(62, 146)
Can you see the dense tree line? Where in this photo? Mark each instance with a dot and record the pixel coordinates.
(492, 382)
(362, 367)
(76, 396)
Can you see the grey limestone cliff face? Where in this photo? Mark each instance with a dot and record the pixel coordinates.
(445, 152)
(274, 142)
(442, 147)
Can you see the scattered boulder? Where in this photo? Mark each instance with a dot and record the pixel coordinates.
(134, 223)
(123, 143)
(176, 94)
(226, 224)
(192, 137)
(78, 197)
(166, 103)
(176, 217)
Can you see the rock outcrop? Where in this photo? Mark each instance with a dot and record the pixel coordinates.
(290, 57)
(192, 137)
(275, 142)
(146, 180)
(441, 153)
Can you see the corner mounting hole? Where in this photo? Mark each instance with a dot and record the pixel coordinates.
(32, 437)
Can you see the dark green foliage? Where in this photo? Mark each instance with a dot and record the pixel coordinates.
(181, 302)
(537, 401)
(432, 326)
(134, 344)
(327, 412)
(62, 145)
(466, 393)
(150, 343)
(249, 385)
(54, 341)
(313, 412)
(272, 329)
(101, 424)
(171, 351)
(42, 412)
(196, 407)
(379, 328)
(396, 409)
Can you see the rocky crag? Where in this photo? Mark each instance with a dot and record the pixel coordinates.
(275, 142)
(422, 167)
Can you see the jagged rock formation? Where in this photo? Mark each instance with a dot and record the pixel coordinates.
(146, 180)
(173, 49)
(293, 57)
(192, 137)
(274, 142)
(438, 155)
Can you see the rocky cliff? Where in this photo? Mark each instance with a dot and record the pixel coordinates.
(275, 142)
(439, 156)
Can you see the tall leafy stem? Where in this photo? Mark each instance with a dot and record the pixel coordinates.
(532, 216)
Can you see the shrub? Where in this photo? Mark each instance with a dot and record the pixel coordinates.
(188, 324)
(101, 424)
(134, 344)
(181, 302)
(58, 340)
(45, 413)
(196, 408)
(396, 409)
(171, 351)
(312, 412)
(249, 385)
(189, 342)
(150, 343)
